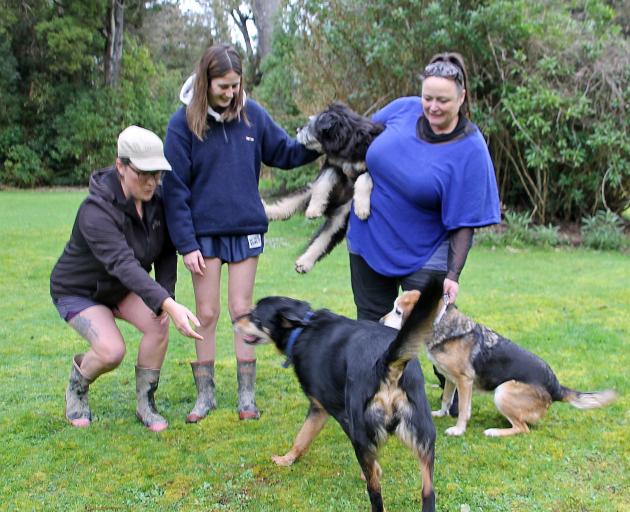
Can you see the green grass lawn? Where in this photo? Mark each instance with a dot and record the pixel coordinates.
(572, 307)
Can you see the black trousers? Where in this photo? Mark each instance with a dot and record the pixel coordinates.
(374, 295)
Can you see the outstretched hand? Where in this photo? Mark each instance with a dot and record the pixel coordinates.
(182, 318)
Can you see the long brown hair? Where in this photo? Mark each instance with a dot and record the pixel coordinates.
(217, 60)
(458, 61)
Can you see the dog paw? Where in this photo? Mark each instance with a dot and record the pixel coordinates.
(361, 210)
(313, 212)
(283, 460)
(439, 414)
(454, 431)
(303, 265)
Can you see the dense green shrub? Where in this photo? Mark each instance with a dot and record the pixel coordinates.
(23, 168)
(59, 121)
(604, 230)
(87, 130)
(546, 236)
(517, 230)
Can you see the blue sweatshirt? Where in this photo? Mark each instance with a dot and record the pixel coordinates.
(213, 189)
(421, 192)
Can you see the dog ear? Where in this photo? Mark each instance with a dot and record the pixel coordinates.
(333, 132)
(326, 123)
(295, 313)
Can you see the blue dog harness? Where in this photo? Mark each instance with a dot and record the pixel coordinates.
(292, 339)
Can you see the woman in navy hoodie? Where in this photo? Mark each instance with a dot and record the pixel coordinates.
(215, 144)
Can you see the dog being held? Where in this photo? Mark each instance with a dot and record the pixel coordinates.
(470, 355)
(365, 375)
(343, 136)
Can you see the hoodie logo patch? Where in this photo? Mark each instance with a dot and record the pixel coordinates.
(249, 139)
(156, 225)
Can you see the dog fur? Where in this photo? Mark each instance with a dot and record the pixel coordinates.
(469, 355)
(365, 375)
(343, 136)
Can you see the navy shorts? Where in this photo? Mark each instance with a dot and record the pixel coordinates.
(70, 306)
(231, 249)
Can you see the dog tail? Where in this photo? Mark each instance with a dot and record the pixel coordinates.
(288, 206)
(588, 400)
(416, 328)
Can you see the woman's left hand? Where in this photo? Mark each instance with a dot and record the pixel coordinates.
(451, 288)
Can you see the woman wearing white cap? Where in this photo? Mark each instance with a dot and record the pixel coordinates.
(103, 273)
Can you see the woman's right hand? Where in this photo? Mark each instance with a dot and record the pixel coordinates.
(182, 317)
(193, 261)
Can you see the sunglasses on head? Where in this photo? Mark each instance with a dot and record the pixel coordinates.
(444, 69)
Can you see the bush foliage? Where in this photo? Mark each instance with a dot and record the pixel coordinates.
(59, 120)
(549, 83)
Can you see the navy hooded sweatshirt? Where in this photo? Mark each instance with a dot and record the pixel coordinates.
(213, 189)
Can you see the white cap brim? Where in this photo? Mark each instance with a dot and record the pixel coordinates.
(151, 163)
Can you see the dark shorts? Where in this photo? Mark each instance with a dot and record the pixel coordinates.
(231, 249)
(70, 306)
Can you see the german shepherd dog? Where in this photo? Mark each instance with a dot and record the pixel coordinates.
(469, 354)
(365, 375)
(343, 136)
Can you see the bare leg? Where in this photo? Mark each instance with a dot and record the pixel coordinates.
(151, 352)
(242, 276)
(208, 305)
(154, 329)
(107, 347)
(207, 298)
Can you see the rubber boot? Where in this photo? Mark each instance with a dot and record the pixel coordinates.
(147, 380)
(246, 375)
(77, 408)
(453, 411)
(203, 373)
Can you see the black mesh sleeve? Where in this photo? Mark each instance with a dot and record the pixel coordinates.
(460, 241)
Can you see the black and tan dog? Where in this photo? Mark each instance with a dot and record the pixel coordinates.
(343, 136)
(470, 355)
(365, 375)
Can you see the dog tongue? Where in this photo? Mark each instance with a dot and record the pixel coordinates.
(249, 338)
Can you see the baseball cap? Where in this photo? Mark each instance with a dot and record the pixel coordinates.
(143, 148)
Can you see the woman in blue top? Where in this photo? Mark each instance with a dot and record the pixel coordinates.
(215, 144)
(434, 183)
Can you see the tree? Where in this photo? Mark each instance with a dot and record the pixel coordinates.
(114, 36)
(255, 21)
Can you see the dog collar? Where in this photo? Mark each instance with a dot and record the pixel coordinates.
(292, 339)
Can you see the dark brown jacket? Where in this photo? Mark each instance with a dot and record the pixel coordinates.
(111, 250)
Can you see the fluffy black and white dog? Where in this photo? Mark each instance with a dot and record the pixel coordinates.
(343, 136)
